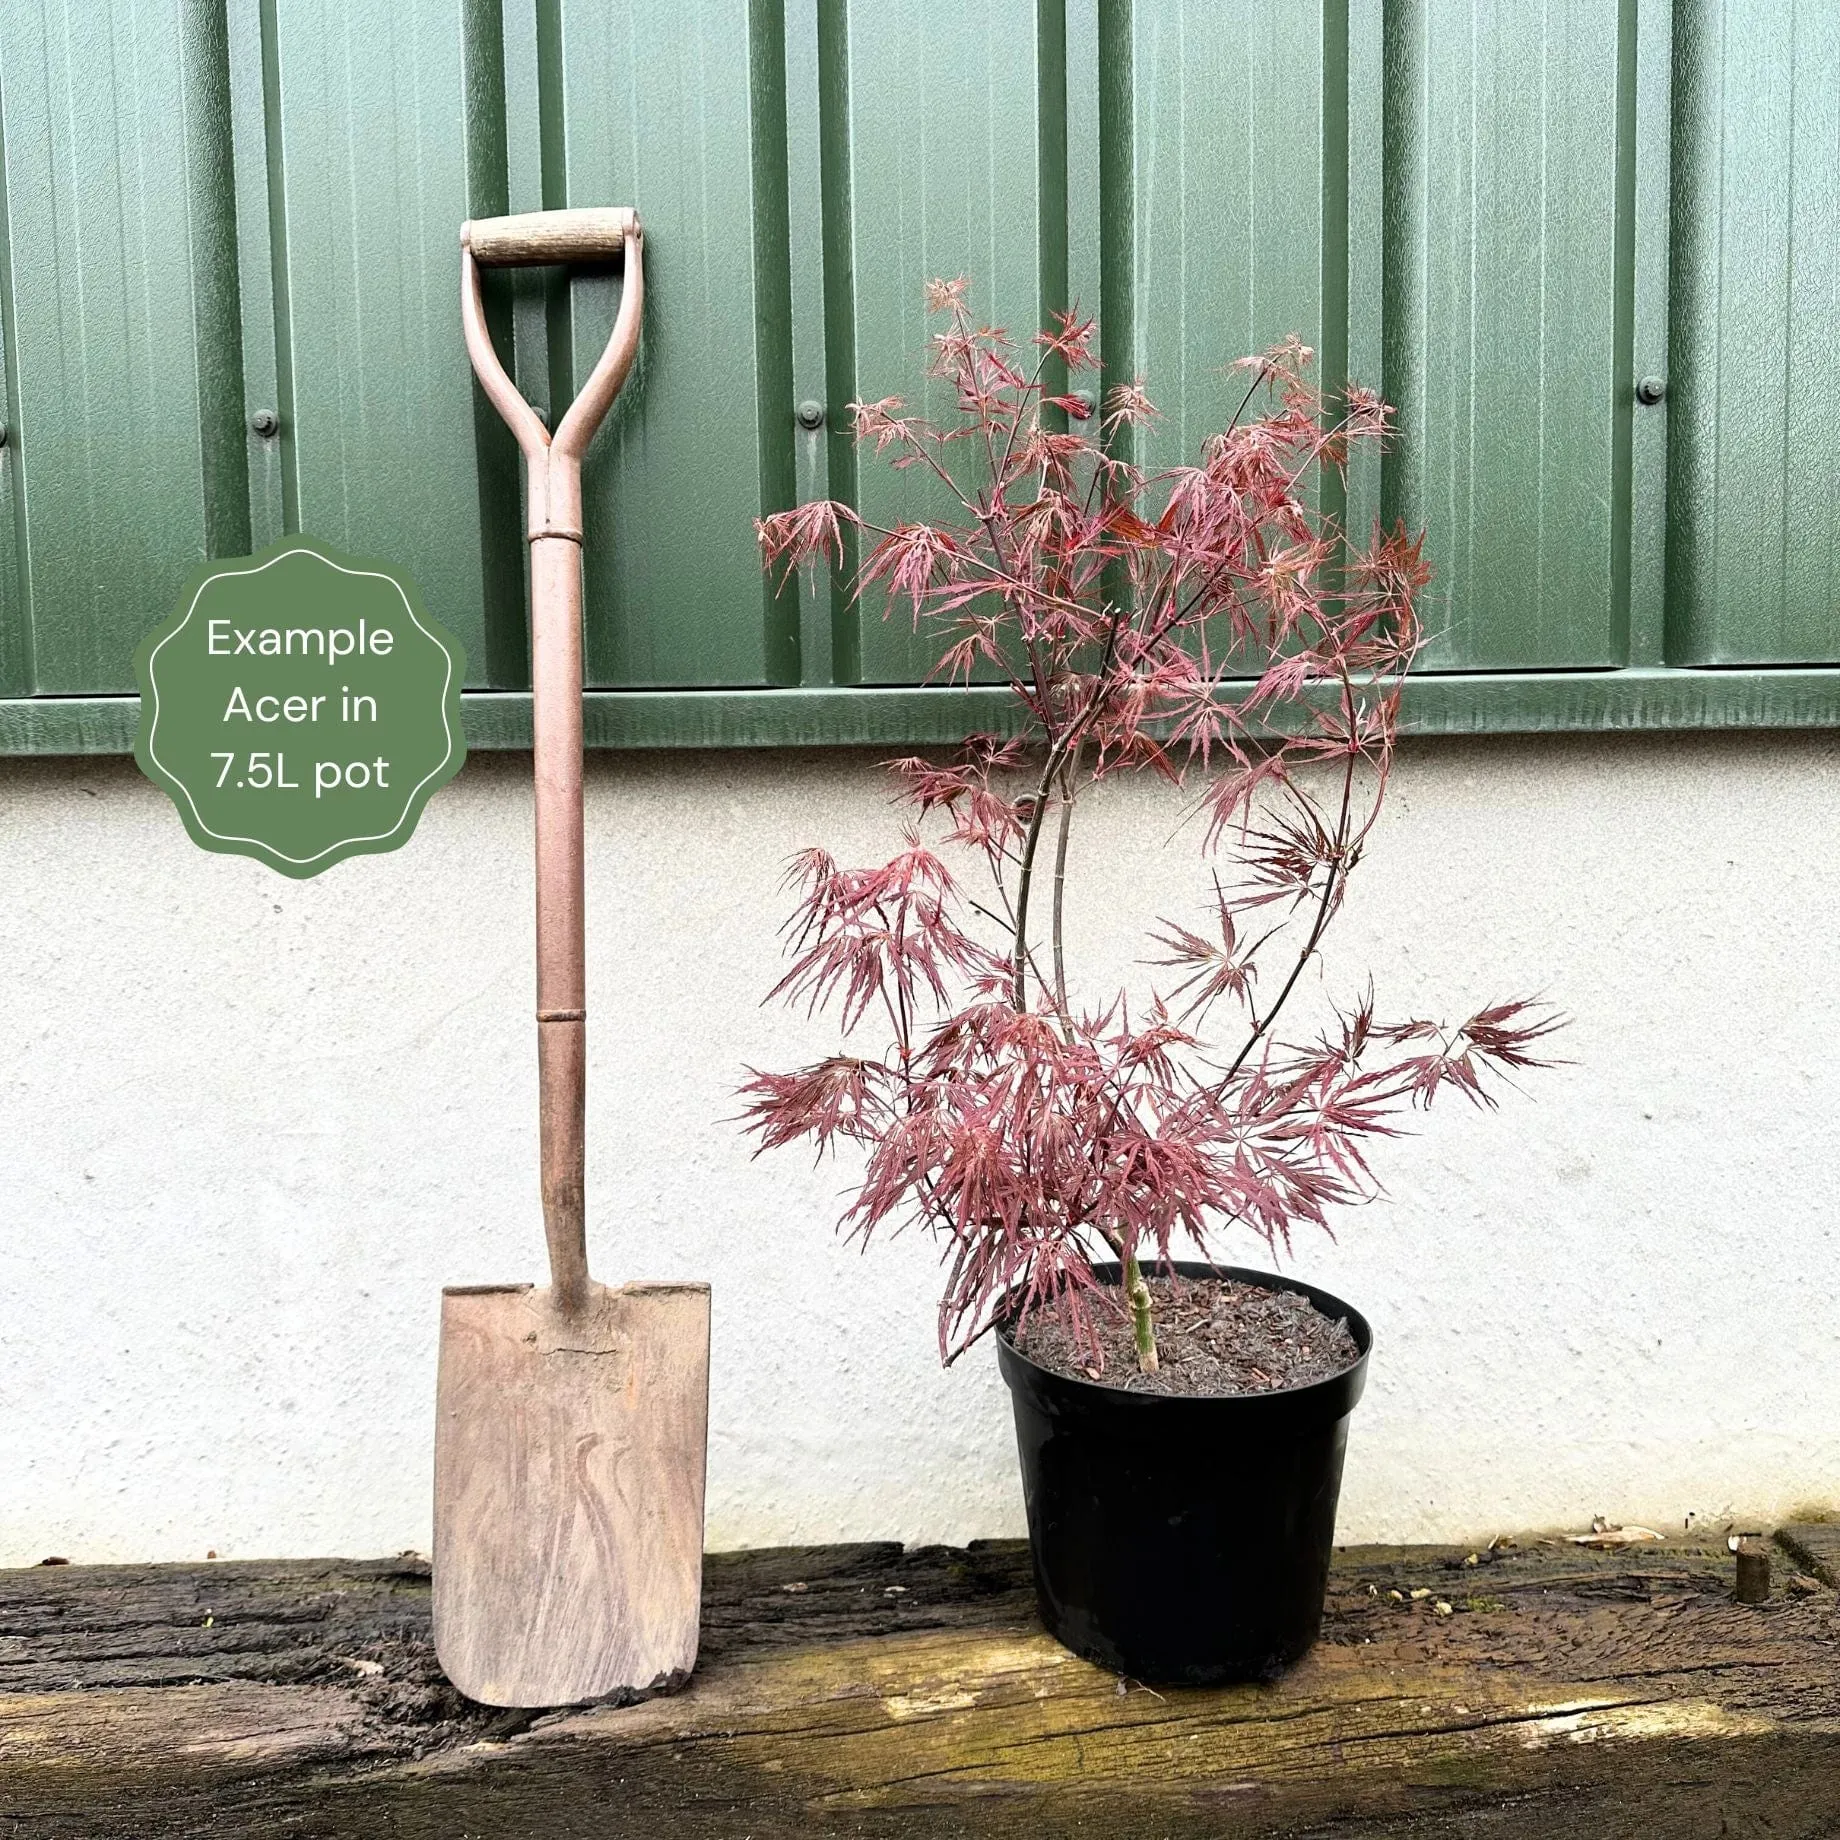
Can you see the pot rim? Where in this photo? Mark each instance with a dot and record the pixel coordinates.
(1111, 1272)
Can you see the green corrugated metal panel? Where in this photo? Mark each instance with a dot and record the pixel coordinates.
(1754, 523)
(367, 174)
(1223, 238)
(346, 144)
(1213, 237)
(1507, 187)
(125, 455)
(212, 207)
(680, 110)
(937, 176)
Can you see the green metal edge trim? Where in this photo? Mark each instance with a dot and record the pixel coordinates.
(1554, 702)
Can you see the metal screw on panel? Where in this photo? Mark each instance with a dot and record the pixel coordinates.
(6, 434)
(1085, 399)
(1651, 390)
(810, 415)
(265, 421)
(1753, 1570)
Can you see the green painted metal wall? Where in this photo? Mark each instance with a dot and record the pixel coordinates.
(1502, 212)
(1508, 162)
(1754, 506)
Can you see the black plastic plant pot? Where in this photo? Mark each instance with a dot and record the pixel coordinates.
(1184, 1540)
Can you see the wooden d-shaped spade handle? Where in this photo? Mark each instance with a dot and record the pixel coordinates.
(552, 470)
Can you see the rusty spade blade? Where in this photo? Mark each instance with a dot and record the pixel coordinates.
(571, 1419)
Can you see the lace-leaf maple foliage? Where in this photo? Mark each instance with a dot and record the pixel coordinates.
(1204, 624)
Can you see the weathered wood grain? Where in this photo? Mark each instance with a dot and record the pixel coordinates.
(568, 1490)
(870, 1691)
(1815, 1546)
(594, 234)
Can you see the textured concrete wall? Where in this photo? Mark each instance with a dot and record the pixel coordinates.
(249, 1127)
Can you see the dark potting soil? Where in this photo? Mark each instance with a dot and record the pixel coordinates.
(1213, 1336)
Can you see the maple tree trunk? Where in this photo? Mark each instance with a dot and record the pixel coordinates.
(1143, 1327)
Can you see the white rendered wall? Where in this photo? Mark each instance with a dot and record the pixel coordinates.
(249, 1127)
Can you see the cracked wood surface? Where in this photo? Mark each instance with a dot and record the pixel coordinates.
(864, 1690)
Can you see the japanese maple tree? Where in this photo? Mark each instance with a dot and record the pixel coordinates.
(1206, 624)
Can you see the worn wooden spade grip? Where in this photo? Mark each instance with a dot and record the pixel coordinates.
(597, 235)
(571, 1420)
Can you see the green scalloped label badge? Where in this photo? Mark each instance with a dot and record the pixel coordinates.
(300, 707)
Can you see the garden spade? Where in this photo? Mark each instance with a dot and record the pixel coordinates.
(571, 1419)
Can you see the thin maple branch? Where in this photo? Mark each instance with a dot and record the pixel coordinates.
(1325, 907)
(1066, 795)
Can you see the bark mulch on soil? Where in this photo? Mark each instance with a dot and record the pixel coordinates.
(1213, 1336)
